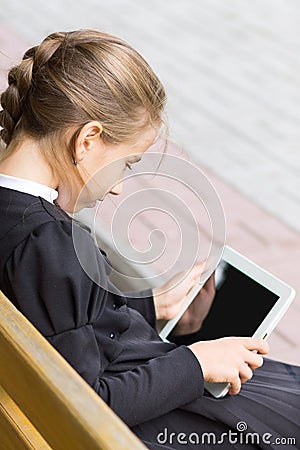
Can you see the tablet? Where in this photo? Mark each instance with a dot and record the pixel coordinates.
(249, 301)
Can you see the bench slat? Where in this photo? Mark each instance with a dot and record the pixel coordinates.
(60, 404)
(17, 432)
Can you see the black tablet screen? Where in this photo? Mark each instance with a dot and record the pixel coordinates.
(240, 305)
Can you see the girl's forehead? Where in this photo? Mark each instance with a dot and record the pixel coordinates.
(147, 138)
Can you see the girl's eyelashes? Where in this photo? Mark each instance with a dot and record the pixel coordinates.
(129, 165)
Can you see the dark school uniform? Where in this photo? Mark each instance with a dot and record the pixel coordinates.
(111, 339)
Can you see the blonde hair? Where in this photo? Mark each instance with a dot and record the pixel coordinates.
(70, 79)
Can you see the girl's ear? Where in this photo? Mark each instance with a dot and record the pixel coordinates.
(89, 136)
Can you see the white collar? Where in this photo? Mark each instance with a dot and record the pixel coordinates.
(28, 187)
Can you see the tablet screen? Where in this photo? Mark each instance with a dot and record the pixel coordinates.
(239, 307)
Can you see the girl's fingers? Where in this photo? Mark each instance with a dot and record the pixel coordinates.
(254, 360)
(245, 373)
(257, 344)
(235, 386)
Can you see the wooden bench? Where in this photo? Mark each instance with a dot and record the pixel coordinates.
(44, 403)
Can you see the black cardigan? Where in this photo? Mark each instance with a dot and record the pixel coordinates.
(108, 338)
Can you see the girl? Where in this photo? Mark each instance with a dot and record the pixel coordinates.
(79, 102)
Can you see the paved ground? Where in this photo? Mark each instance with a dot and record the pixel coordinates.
(232, 72)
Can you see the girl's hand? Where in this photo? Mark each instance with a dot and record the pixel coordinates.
(168, 300)
(230, 360)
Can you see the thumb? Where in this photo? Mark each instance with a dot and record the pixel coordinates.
(197, 270)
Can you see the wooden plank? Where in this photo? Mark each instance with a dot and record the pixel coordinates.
(17, 432)
(61, 405)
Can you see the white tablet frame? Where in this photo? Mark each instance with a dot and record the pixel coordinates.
(285, 293)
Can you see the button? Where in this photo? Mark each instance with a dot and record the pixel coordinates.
(114, 306)
(112, 335)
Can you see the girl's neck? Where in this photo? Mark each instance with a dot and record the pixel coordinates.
(26, 162)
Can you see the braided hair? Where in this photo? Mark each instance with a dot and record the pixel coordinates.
(70, 79)
(14, 99)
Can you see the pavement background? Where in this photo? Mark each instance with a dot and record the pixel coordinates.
(232, 73)
(231, 70)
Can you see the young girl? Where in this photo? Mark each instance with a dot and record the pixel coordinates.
(79, 102)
